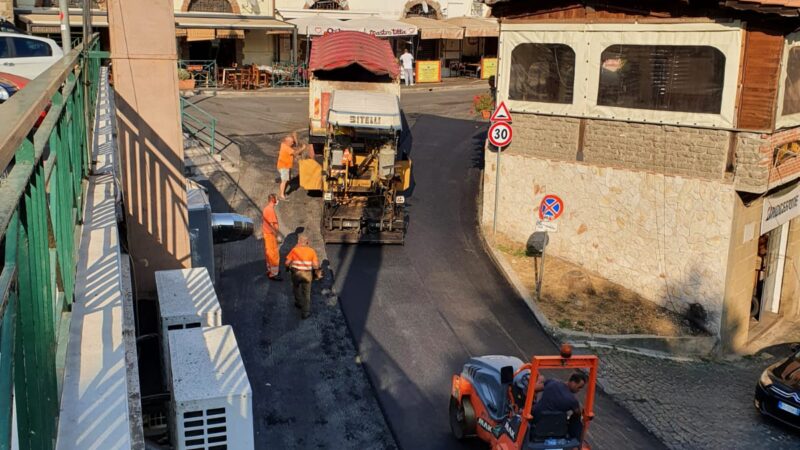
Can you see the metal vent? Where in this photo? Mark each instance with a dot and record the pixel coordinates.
(205, 430)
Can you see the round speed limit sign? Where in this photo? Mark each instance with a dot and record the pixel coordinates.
(500, 134)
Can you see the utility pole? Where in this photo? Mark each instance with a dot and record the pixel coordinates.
(87, 102)
(66, 39)
(87, 20)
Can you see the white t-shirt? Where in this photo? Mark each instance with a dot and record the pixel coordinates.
(407, 60)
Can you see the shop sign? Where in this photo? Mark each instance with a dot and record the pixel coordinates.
(780, 209)
(429, 72)
(488, 68)
(390, 32)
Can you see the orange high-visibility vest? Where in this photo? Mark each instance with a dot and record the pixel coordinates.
(302, 258)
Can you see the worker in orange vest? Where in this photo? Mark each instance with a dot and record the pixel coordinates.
(270, 230)
(288, 150)
(303, 263)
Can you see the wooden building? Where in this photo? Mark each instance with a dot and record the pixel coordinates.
(671, 130)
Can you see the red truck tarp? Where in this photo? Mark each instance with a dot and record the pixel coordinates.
(343, 48)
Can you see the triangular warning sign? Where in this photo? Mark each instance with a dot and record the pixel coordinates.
(501, 114)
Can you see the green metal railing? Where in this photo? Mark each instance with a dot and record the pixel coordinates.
(41, 204)
(203, 71)
(199, 124)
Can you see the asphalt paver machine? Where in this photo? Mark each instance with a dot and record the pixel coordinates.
(493, 398)
(362, 176)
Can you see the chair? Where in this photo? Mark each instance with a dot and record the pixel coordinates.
(235, 78)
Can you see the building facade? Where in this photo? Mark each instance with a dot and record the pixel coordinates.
(393, 9)
(227, 31)
(670, 132)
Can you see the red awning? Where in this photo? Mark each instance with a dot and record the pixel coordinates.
(343, 48)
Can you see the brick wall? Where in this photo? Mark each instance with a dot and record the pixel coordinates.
(669, 150)
(755, 168)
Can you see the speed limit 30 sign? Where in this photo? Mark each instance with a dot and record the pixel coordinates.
(500, 134)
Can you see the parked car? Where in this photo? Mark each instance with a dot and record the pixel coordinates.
(778, 390)
(10, 84)
(27, 56)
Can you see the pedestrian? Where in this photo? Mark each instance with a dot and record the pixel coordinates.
(303, 263)
(407, 61)
(272, 236)
(288, 150)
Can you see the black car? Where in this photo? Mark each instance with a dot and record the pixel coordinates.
(778, 390)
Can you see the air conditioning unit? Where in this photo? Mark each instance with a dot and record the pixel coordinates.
(212, 404)
(186, 299)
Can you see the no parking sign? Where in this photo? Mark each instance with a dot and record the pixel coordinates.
(550, 208)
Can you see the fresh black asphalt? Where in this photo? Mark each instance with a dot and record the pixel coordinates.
(418, 311)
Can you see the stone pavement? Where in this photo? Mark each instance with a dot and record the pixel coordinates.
(697, 404)
(309, 390)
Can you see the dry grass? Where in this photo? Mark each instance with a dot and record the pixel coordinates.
(576, 299)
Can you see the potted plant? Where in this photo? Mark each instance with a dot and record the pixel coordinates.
(483, 104)
(185, 80)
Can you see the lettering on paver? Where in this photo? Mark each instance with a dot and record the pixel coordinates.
(780, 208)
(365, 120)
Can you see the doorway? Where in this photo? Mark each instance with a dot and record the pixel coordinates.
(770, 264)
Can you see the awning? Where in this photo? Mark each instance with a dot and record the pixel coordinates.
(337, 50)
(232, 23)
(318, 25)
(51, 24)
(380, 27)
(475, 27)
(435, 29)
(365, 109)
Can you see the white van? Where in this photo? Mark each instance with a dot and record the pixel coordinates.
(27, 56)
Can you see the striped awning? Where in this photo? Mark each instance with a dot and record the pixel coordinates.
(232, 22)
(475, 27)
(435, 29)
(51, 24)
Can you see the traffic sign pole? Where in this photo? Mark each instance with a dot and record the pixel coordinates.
(500, 134)
(496, 193)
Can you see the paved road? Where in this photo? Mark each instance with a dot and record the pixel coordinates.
(418, 311)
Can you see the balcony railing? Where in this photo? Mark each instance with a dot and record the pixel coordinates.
(44, 164)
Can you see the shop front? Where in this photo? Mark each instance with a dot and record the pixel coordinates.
(774, 297)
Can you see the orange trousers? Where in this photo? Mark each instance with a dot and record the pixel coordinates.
(272, 254)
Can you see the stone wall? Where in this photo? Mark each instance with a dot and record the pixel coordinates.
(666, 237)
(692, 152)
(7, 10)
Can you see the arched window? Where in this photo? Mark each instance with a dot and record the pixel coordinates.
(215, 6)
(423, 8)
(329, 4)
(419, 11)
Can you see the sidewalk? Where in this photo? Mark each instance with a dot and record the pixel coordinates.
(696, 404)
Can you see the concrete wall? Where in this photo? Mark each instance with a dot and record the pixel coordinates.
(741, 273)
(259, 48)
(653, 230)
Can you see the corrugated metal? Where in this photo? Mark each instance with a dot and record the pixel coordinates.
(338, 50)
